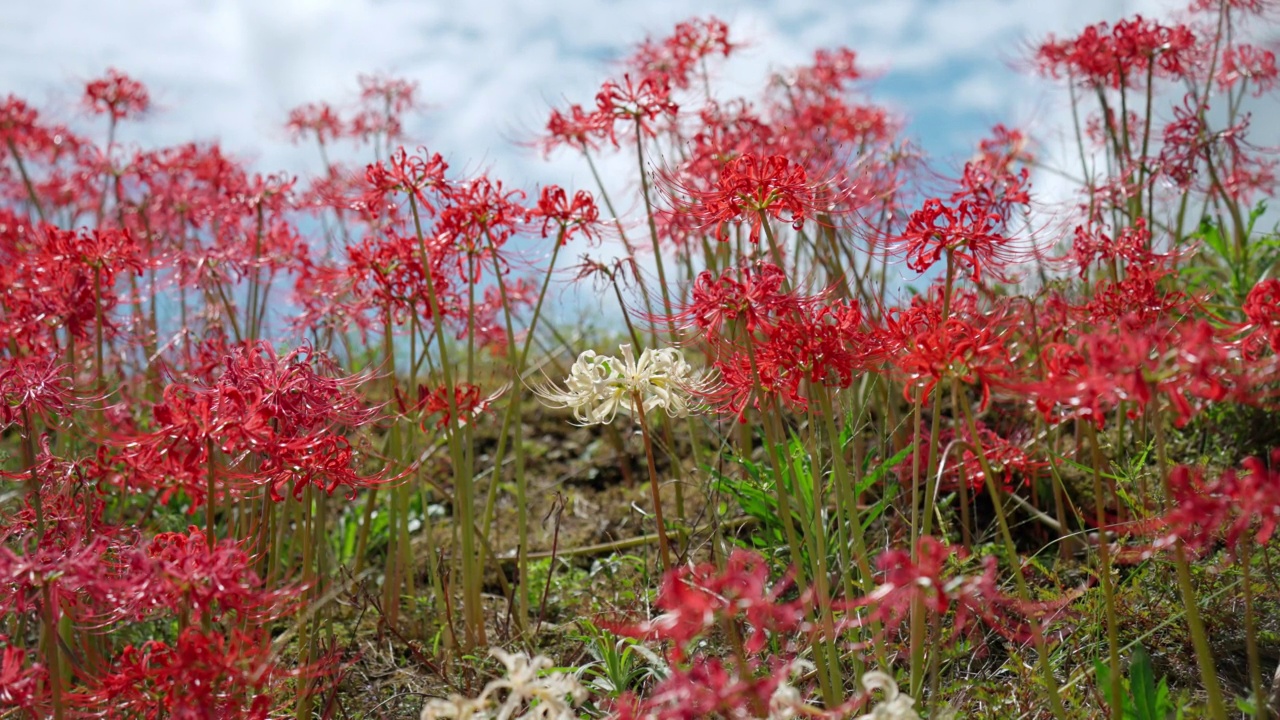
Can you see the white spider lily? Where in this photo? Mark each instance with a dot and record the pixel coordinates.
(894, 706)
(531, 690)
(601, 386)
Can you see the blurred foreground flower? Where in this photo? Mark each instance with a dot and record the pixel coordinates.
(601, 386)
(895, 706)
(531, 692)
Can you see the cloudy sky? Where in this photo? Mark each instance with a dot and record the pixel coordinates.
(491, 69)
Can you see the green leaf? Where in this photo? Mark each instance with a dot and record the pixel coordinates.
(1212, 237)
(874, 476)
(1142, 686)
(1258, 211)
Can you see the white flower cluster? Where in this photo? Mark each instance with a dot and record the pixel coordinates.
(895, 706)
(530, 694)
(601, 386)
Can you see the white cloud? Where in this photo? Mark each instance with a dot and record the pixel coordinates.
(233, 68)
(491, 69)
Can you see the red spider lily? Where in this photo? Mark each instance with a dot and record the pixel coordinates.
(1006, 457)
(34, 387)
(991, 181)
(674, 58)
(325, 463)
(51, 281)
(71, 571)
(570, 217)
(486, 320)
(825, 344)
(754, 296)
(1140, 297)
(21, 683)
(695, 598)
(476, 220)
(278, 407)
(466, 397)
(66, 509)
(705, 689)
(771, 341)
(294, 390)
(698, 599)
(580, 130)
(395, 95)
(1187, 142)
(56, 481)
(816, 123)
(1091, 243)
(753, 188)
(404, 173)
(830, 70)
(183, 573)
(106, 251)
(171, 471)
(1262, 309)
(1135, 362)
(971, 233)
(1246, 63)
(899, 325)
(1255, 7)
(1120, 56)
(386, 272)
(1107, 124)
(969, 602)
(1232, 506)
(203, 676)
(20, 128)
(318, 119)
(840, 139)
(117, 95)
(636, 104)
(725, 132)
(968, 350)
(819, 125)
(383, 100)
(323, 294)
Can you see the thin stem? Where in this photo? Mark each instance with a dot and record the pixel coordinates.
(1115, 696)
(1024, 593)
(1195, 625)
(664, 546)
(1251, 629)
(473, 610)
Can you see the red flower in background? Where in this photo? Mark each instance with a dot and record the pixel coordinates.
(117, 95)
(1121, 55)
(637, 104)
(318, 119)
(674, 59)
(753, 188)
(969, 232)
(571, 217)
(1234, 505)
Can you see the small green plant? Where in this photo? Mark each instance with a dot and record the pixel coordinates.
(1143, 697)
(618, 663)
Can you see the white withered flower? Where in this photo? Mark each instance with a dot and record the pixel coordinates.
(531, 690)
(894, 706)
(601, 386)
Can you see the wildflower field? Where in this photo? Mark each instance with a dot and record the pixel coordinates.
(874, 435)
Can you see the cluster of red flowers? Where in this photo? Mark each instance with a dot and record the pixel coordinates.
(145, 295)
